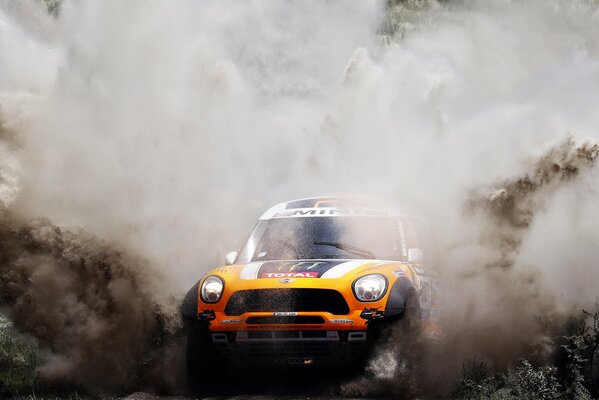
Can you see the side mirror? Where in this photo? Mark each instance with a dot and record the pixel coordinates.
(230, 258)
(415, 256)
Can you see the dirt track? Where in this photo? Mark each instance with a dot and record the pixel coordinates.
(147, 396)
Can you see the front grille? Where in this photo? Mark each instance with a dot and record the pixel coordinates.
(298, 319)
(282, 300)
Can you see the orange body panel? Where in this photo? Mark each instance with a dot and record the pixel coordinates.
(392, 270)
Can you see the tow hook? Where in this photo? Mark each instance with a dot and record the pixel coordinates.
(371, 313)
(206, 315)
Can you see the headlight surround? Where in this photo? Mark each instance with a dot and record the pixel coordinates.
(370, 287)
(212, 289)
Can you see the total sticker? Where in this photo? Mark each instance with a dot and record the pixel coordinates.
(290, 275)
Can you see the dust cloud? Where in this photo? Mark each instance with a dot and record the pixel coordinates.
(97, 312)
(164, 128)
(499, 303)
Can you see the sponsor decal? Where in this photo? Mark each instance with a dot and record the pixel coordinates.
(399, 273)
(284, 314)
(299, 269)
(290, 275)
(294, 269)
(231, 321)
(341, 321)
(333, 211)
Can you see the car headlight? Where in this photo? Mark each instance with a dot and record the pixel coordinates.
(212, 289)
(370, 287)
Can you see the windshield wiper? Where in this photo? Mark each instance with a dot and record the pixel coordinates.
(350, 249)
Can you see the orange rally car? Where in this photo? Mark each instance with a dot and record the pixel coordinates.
(310, 288)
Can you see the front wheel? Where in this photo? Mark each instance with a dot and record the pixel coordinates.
(396, 349)
(206, 369)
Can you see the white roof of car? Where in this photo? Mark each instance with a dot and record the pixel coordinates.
(330, 206)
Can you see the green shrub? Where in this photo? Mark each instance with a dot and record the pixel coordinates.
(17, 363)
(582, 353)
(574, 376)
(522, 382)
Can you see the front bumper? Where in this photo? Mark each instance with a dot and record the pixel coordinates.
(355, 320)
(299, 349)
(302, 324)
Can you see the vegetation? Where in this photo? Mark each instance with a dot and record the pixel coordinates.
(18, 361)
(522, 382)
(574, 375)
(72, 396)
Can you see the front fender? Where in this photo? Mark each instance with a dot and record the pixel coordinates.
(396, 303)
(189, 308)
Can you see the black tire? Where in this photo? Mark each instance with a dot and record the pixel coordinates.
(405, 327)
(206, 369)
(411, 320)
(400, 338)
(407, 348)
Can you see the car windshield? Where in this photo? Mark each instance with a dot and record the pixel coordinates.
(324, 238)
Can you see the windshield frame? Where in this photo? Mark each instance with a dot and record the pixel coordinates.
(249, 251)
